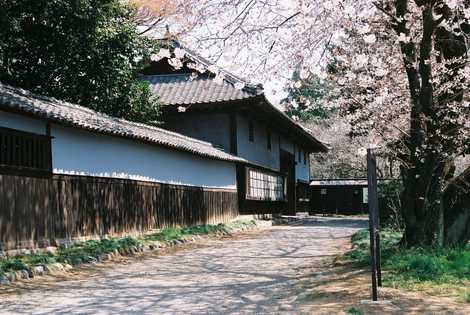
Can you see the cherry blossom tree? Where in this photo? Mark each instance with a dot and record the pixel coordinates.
(405, 77)
(401, 72)
(345, 157)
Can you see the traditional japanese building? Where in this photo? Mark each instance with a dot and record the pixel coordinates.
(238, 118)
(68, 172)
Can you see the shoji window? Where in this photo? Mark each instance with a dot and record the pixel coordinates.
(24, 152)
(264, 186)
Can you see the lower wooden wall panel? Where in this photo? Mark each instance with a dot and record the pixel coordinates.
(37, 212)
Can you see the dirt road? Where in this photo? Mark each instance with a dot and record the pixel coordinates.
(249, 274)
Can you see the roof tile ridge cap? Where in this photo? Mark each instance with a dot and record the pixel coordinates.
(228, 76)
(20, 92)
(35, 97)
(48, 99)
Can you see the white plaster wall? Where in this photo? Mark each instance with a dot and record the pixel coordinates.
(85, 153)
(23, 123)
(302, 171)
(257, 151)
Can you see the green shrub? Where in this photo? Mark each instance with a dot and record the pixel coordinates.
(354, 311)
(12, 264)
(361, 249)
(423, 267)
(390, 204)
(39, 259)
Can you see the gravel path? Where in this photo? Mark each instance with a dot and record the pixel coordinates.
(249, 274)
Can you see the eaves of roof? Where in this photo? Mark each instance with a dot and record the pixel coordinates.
(21, 101)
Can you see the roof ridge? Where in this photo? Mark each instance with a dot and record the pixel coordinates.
(228, 76)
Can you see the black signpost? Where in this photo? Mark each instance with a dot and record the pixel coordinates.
(374, 222)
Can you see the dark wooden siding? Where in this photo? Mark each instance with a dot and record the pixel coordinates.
(303, 197)
(36, 212)
(344, 199)
(248, 206)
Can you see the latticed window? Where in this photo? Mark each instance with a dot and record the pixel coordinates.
(24, 152)
(265, 186)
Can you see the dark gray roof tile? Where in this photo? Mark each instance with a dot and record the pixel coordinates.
(19, 100)
(183, 89)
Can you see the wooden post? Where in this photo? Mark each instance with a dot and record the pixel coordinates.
(373, 222)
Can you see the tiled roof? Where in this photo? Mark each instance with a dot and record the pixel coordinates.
(339, 182)
(183, 89)
(54, 110)
(347, 182)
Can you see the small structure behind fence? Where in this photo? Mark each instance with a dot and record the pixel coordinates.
(338, 196)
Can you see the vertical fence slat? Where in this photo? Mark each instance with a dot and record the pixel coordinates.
(40, 211)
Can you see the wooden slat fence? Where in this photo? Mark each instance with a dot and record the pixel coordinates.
(37, 212)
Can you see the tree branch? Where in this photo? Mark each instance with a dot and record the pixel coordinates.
(151, 26)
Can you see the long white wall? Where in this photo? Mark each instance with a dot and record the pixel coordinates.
(23, 123)
(80, 152)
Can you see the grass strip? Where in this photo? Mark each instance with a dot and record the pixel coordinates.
(446, 270)
(88, 251)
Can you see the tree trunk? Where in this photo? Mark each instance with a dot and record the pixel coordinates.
(421, 205)
(433, 216)
(456, 204)
(422, 194)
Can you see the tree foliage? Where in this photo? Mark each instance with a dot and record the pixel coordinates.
(83, 51)
(306, 99)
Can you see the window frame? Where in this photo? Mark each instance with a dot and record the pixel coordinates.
(267, 196)
(25, 153)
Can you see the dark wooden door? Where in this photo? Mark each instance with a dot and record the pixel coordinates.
(288, 167)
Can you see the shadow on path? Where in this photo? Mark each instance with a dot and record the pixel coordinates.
(242, 276)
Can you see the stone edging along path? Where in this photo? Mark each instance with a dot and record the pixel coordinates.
(141, 249)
